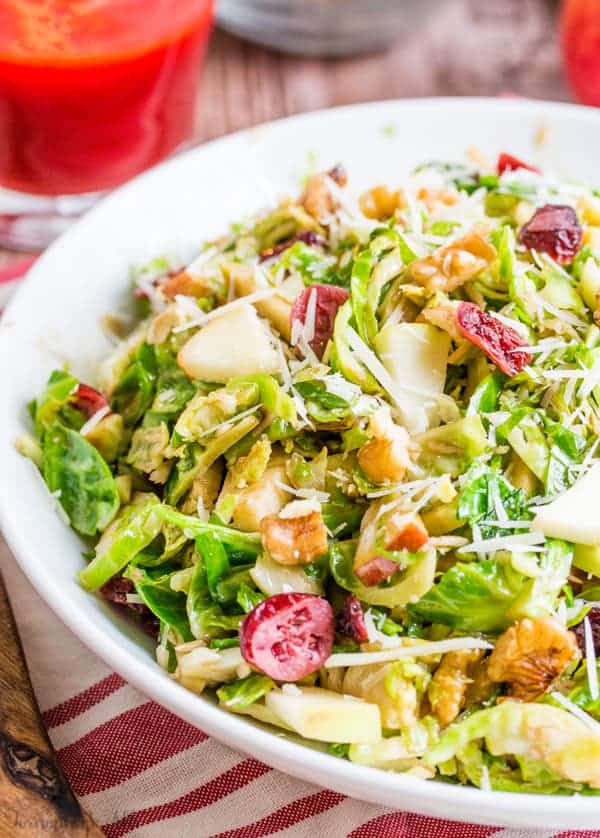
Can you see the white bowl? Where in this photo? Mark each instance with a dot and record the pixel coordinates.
(55, 317)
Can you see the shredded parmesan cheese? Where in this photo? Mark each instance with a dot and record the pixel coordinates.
(419, 650)
(94, 420)
(590, 659)
(576, 711)
(484, 780)
(563, 315)
(504, 542)
(310, 319)
(201, 319)
(228, 422)
(304, 494)
(193, 269)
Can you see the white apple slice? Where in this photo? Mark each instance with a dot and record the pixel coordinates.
(416, 356)
(236, 344)
(574, 515)
(319, 714)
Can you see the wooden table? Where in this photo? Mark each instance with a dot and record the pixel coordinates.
(470, 48)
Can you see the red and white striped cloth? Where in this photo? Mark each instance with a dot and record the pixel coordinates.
(142, 772)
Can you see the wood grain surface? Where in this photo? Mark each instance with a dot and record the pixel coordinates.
(35, 797)
(468, 48)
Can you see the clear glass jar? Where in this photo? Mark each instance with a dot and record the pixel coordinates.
(323, 27)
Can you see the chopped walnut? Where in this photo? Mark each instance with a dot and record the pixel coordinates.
(481, 687)
(385, 457)
(441, 312)
(317, 199)
(531, 655)
(162, 324)
(294, 540)
(190, 285)
(448, 688)
(380, 203)
(454, 264)
(434, 198)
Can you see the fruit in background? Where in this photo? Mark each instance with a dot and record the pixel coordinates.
(580, 39)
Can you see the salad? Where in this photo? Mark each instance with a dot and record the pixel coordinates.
(344, 469)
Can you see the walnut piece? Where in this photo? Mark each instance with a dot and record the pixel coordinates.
(385, 457)
(435, 198)
(531, 655)
(481, 687)
(293, 541)
(380, 202)
(448, 688)
(190, 285)
(317, 198)
(454, 264)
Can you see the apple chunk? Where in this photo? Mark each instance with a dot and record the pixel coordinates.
(574, 515)
(236, 344)
(320, 714)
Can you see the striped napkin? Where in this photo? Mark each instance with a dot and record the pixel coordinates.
(142, 772)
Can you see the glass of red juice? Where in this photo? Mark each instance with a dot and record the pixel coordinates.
(91, 93)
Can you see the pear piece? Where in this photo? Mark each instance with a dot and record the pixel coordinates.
(327, 716)
(415, 355)
(235, 344)
(574, 515)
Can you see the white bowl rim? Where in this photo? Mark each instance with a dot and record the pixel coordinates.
(425, 797)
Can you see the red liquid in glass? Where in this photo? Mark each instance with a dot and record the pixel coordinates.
(580, 40)
(94, 91)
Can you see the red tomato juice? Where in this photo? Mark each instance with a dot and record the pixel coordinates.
(94, 91)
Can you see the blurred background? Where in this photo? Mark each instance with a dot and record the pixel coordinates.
(92, 92)
(448, 48)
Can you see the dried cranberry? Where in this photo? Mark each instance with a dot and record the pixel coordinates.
(329, 299)
(288, 636)
(306, 236)
(376, 571)
(508, 163)
(116, 590)
(351, 620)
(554, 230)
(88, 400)
(594, 618)
(149, 624)
(500, 342)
